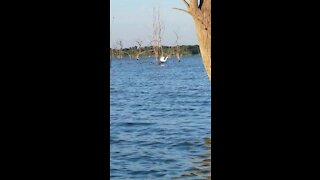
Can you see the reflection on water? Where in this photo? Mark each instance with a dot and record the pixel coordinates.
(201, 169)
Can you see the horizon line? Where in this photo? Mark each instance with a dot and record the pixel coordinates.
(162, 46)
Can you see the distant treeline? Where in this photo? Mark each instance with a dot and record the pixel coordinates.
(184, 50)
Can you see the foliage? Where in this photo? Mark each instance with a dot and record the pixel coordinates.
(147, 51)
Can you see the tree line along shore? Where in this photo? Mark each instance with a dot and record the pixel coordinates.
(148, 51)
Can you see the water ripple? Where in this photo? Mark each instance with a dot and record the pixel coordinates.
(159, 116)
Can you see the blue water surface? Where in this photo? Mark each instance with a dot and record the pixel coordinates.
(159, 117)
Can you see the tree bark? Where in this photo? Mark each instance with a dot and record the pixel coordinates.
(201, 14)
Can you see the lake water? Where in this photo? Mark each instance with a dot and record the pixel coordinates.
(160, 119)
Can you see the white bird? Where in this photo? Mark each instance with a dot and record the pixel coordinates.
(163, 59)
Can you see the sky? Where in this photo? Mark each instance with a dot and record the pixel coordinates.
(131, 20)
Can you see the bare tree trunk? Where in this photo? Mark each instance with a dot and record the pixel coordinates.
(139, 47)
(120, 53)
(201, 13)
(158, 29)
(177, 48)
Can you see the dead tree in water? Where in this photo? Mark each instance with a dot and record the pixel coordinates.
(114, 51)
(201, 14)
(120, 47)
(139, 49)
(158, 29)
(177, 50)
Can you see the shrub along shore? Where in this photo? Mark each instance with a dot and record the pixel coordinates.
(183, 50)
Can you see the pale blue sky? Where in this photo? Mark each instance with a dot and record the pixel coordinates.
(133, 21)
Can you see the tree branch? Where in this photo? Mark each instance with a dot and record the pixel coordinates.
(186, 3)
(200, 4)
(182, 10)
(193, 3)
